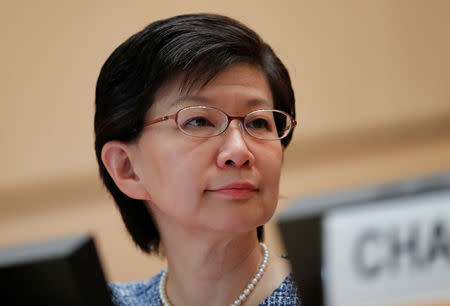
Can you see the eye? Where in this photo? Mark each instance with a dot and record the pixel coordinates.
(197, 122)
(259, 124)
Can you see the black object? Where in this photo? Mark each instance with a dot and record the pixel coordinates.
(65, 271)
(303, 240)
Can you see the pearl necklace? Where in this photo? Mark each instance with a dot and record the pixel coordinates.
(245, 293)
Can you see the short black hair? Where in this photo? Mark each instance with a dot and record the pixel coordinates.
(199, 46)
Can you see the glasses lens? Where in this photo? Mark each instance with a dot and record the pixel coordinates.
(201, 121)
(268, 124)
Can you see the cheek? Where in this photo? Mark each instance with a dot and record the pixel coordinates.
(269, 164)
(174, 175)
(271, 158)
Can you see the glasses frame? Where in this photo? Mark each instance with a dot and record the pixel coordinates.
(230, 118)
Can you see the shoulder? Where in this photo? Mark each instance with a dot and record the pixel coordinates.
(136, 293)
(285, 295)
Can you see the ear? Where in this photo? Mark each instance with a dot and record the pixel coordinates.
(117, 158)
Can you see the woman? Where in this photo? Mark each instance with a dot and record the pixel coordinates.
(192, 117)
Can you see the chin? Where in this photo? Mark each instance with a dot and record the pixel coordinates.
(246, 223)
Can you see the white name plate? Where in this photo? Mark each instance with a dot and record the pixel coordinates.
(388, 252)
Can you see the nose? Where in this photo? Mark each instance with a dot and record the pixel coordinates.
(234, 151)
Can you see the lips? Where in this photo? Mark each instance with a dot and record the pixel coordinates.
(235, 190)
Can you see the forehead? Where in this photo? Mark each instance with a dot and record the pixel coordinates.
(240, 85)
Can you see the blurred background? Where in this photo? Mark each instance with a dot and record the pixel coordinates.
(371, 78)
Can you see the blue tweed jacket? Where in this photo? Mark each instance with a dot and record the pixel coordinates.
(146, 293)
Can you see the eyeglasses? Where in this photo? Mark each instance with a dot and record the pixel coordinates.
(206, 121)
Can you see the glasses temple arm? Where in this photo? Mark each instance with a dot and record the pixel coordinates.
(164, 118)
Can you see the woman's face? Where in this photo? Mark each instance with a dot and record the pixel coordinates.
(227, 183)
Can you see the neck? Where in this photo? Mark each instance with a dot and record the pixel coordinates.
(203, 273)
(207, 268)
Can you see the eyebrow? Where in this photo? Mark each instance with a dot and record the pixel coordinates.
(250, 102)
